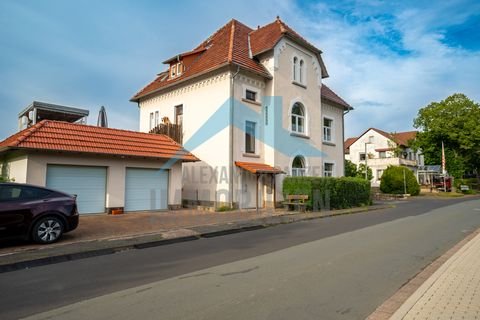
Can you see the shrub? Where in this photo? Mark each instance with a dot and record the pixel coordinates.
(329, 193)
(393, 182)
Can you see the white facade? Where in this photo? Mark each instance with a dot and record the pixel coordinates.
(208, 108)
(378, 152)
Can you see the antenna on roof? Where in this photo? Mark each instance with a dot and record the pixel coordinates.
(278, 17)
(102, 118)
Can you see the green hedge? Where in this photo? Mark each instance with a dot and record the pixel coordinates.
(393, 182)
(329, 193)
(472, 183)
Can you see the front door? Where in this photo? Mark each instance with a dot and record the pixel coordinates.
(248, 189)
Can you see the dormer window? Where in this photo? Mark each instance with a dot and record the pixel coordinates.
(176, 70)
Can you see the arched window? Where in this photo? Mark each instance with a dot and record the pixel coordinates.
(298, 166)
(295, 68)
(301, 72)
(298, 118)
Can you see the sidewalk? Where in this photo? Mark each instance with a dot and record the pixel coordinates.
(447, 289)
(106, 234)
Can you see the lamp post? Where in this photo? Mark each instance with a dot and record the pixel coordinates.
(366, 156)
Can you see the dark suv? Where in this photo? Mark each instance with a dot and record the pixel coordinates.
(35, 213)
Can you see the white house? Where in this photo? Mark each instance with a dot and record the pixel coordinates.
(379, 149)
(253, 108)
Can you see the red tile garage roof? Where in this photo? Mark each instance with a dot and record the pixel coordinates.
(51, 135)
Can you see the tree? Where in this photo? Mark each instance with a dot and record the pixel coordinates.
(350, 169)
(396, 178)
(361, 172)
(453, 121)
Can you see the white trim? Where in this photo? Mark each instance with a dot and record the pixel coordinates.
(334, 171)
(306, 117)
(257, 90)
(256, 153)
(332, 129)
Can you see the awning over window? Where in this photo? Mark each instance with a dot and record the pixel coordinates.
(254, 167)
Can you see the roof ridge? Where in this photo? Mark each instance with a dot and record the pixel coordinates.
(30, 131)
(232, 36)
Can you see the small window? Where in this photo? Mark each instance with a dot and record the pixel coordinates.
(328, 169)
(362, 156)
(301, 71)
(250, 136)
(179, 68)
(298, 118)
(327, 129)
(157, 117)
(298, 167)
(152, 124)
(250, 95)
(382, 154)
(295, 69)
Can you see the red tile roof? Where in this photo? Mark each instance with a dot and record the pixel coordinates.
(233, 44)
(51, 135)
(400, 138)
(348, 143)
(254, 167)
(331, 96)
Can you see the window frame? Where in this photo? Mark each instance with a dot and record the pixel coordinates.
(250, 137)
(294, 68)
(329, 173)
(251, 92)
(331, 129)
(294, 119)
(360, 156)
(178, 109)
(151, 120)
(299, 171)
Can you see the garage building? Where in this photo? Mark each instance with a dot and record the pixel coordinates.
(106, 168)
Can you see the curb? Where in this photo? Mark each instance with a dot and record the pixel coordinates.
(249, 225)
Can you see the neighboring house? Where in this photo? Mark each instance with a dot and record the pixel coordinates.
(253, 108)
(379, 149)
(105, 168)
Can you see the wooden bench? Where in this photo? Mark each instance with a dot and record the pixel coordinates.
(296, 202)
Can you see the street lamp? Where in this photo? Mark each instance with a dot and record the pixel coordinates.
(370, 141)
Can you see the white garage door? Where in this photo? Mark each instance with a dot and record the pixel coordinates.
(146, 189)
(88, 183)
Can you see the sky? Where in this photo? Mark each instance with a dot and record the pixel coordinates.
(385, 58)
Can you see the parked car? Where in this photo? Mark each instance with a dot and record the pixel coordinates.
(36, 213)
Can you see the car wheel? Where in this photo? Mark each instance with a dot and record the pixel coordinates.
(47, 230)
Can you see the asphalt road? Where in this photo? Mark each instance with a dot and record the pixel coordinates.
(336, 268)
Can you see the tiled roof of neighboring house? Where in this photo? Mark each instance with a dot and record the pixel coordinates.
(403, 138)
(331, 96)
(400, 138)
(51, 135)
(233, 44)
(254, 167)
(348, 143)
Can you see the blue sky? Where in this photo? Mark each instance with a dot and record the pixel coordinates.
(387, 59)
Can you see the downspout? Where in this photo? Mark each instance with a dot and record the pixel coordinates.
(343, 138)
(232, 99)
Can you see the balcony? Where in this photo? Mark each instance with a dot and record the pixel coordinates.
(391, 162)
(174, 131)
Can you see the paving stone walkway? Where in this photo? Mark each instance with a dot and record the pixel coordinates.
(452, 292)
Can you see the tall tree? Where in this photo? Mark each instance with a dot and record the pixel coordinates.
(350, 169)
(455, 121)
